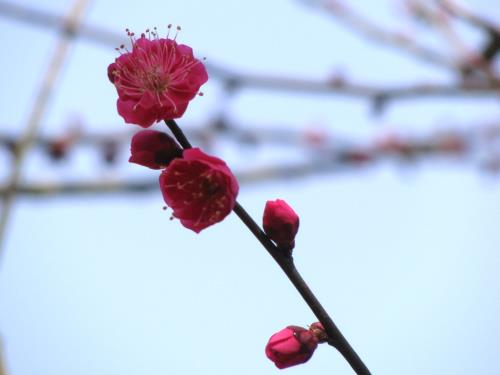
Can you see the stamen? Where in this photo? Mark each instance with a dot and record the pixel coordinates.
(177, 32)
(131, 35)
(171, 102)
(121, 48)
(181, 72)
(202, 213)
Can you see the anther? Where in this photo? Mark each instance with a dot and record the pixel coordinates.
(178, 28)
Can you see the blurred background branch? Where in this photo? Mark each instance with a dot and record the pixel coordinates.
(70, 25)
(335, 84)
(466, 61)
(324, 152)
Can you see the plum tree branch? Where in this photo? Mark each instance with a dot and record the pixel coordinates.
(285, 261)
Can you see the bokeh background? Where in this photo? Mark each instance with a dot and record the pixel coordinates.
(398, 195)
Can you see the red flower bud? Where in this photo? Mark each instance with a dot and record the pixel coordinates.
(199, 188)
(281, 223)
(291, 346)
(153, 149)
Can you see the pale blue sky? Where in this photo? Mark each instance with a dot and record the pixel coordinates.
(405, 260)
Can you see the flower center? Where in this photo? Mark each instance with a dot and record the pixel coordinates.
(154, 66)
(155, 80)
(209, 186)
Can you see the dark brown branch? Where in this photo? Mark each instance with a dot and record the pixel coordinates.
(285, 261)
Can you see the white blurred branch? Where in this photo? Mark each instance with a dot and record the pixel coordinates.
(467, 61)
(234, 80)
(326, 153)
(70, 24)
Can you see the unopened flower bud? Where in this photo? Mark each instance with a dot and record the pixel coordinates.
(281, 223)
(291, 346)
(153, 149)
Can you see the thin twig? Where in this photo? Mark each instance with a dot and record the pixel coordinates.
(344, 87)
(467, 15)
(405, 43)
(369, 29)
(437, 18)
